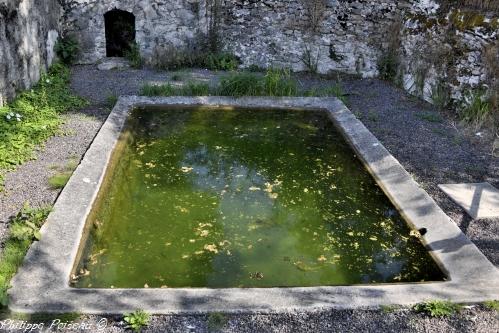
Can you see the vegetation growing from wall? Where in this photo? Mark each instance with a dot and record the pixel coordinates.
(25, 228)
(133, 56)
(316, 11)
(67, 49)
(214, 14)
(487, 5)
(389, 58)
(34, 117)
(194, 54)
(490, 59)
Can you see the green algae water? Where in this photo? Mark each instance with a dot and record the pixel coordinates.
(243, 198)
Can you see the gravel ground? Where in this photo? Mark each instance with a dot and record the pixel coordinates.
(470, 319)
(434, 149)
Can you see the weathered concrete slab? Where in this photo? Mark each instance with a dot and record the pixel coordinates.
(43, 282)
(479, 200)
(113, 63)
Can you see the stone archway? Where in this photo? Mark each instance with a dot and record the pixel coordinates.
(120, 32)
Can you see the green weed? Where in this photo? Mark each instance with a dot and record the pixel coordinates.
(216, 321)
(389, 308)
(492, 305)
(437, 308)
(158, 90)
(25, 228)
(34, 117)
(177, 77)
(67, 49)
(61, 178)
(137, 320)
(278, 82)
(195, 89)
(440, 95)
(372, 116)
(221, 61)
(388, 65)
(477, 110)
(430, 116)
(134, 57)
(335, 90)
(111, 101)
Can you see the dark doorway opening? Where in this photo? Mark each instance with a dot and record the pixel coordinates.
(120, 32)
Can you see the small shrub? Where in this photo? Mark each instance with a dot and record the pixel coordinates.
(26, 224)
(133, 56)
(492, 305)
(388, 64)
(437, 308)
(221, 61)
(477, 108)
(67, 49)
(216, 321)
(137, 320)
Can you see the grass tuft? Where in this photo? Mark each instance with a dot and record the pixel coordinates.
(61, 178)
(437, 308)
(432, 117)
(477, 110)
(492, 305)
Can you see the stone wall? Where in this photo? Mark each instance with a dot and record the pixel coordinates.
(342, 35)
(28, 32)
(159, 24)
(433, 48)
(457, 51)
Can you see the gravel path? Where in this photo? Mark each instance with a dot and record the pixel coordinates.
(434, 149)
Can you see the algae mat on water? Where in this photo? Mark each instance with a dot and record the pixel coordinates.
(243, 198)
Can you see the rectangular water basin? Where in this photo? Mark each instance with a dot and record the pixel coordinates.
(221, 198)
(186, 205)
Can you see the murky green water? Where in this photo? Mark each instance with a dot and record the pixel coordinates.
(244, 198)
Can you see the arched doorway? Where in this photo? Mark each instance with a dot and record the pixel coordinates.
(120, 32)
